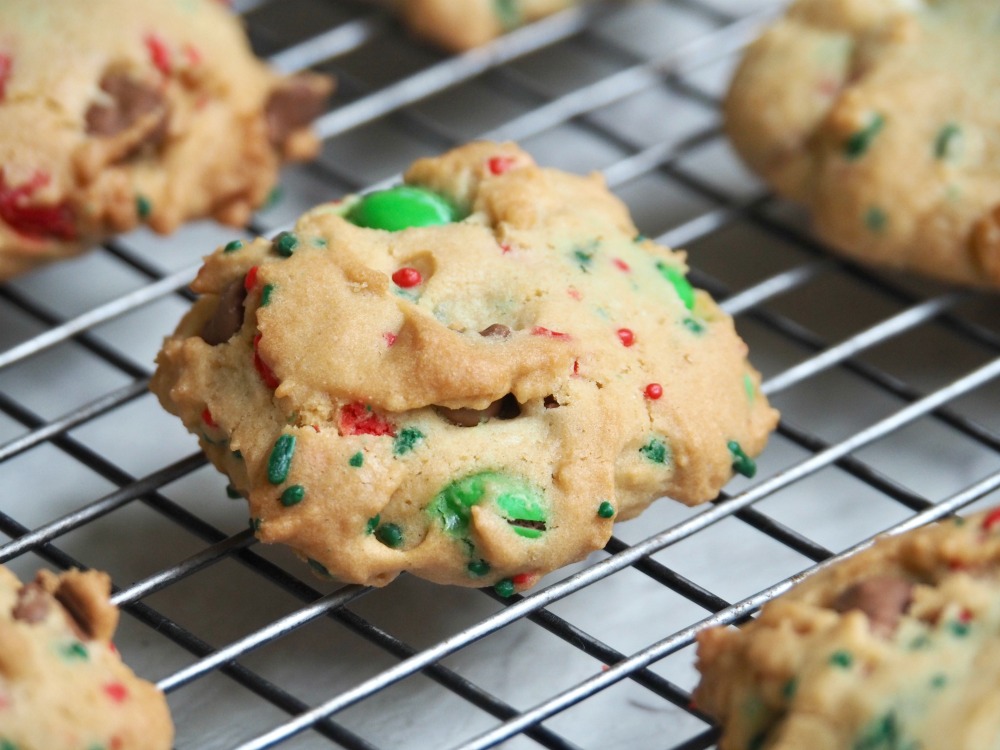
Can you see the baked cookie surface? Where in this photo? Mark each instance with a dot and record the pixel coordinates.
(469, 377)
(62, 684)
(881, 117)
(896, 647)
(463, 24)
(115, 113)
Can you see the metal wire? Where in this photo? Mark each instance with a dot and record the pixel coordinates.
(803, 357)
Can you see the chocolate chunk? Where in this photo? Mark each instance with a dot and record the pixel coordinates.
(294, 103)
(549, 402)
(470, 417)
(883, 599)
(228, 317)
(497, 330)
(131, 101)
(32, 605)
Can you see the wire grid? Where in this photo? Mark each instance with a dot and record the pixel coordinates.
(887, 388)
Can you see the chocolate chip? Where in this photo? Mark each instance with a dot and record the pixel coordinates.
(32, 604)
(470, 417)
(294, 103)
(549, 402)
(131, 101)
(883, 599)
(497, 330)
(228, 317)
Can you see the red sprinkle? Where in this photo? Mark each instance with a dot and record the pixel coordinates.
(576, 367)
(265, 372)
(193, 54)
(34, 221)
(5, 66)
(992, 519)
(116, 691)
(501, 164)
(540, 331)
(621, 265)
(407, 277)
(251, 279)
(505, 248)
(206, 417)
(626, 336)
(116, 743)
(965, 616)
(358, 419)
(159, 53)
(653, 391)
(574, 293)
(390, 338)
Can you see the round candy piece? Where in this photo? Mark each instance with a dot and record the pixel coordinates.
(400, 208)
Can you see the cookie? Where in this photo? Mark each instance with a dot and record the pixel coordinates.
(469, 377)
(459, 25)
(896, 647)
(116, 113)
(880, 117)
(62, 684)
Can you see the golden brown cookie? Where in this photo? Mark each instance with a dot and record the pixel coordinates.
(881, 117)
(463, 24)
(468, 377)
(62, 684)
(115, 113)
(895, 648)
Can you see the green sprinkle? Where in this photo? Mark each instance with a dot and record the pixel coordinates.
(233, 246)
(655, 450)
(742, 463)
(255, 524)
(317, 241)
(859, 143)
(318, 567)
(883, 734)
(789, 689)
(7, 745)
(508, 14)
(373, 523)
(938, 681)
(748, 388)
(75, 651)
(505, 588)
(390, 535)
(606, 510)
(876, 219)
(920, 642)
(293, 495)
(478, 568)
(583, 259)
(958, 628)
(639, 239)
(948, 143)
(679, 282)
(143, 207)
(280, 461)
(406, 440)
(693, 325)
(400, 208)
(232, 493)
(841, 659)
(265, 295)
(273, 198)
(357, 460)
(285, 243)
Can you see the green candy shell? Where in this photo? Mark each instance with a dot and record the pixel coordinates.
(400, 208)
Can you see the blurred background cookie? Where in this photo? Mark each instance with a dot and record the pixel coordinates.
(116, 113)
(882, 118)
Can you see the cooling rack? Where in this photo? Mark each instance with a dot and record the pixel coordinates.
(887, 386)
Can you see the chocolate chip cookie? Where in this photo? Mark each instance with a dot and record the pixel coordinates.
(896, 647)
(63, 685)
(116, 113)
(881, 117)
(469, 377)
(463, 24)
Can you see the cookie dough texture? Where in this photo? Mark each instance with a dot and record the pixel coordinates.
(472, 401)
(896, 647)
(62, 683)
(881, 116)
(463, 24)
(115, 113)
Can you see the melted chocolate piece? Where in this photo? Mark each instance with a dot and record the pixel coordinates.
(32, 604)
(497, 330)
(131, 101)
(293, 104)
(503, 408)
(228, 317)
(883, 599)
(549, 402)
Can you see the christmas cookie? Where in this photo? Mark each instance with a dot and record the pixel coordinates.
(881, 117)
(897, 647)
(462, 24)
(62, 683)
(116, 113)
(469, 377)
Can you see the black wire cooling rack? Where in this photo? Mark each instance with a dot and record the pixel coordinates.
(887, 386)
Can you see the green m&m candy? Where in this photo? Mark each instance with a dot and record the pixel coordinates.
(400, 208)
